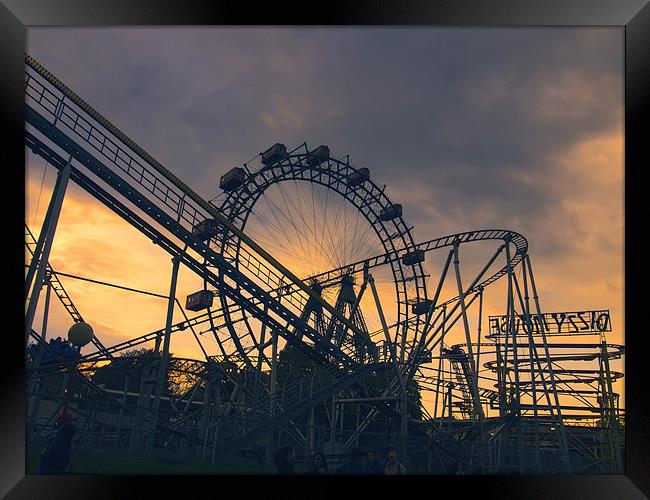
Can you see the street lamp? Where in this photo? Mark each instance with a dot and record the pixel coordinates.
(80, 334)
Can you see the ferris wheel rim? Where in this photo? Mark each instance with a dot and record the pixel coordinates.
(239, 205)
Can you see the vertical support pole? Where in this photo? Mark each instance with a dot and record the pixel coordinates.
(39, 263)
(398, 373)
(615, 465)
(204, 422)
(136, 425)
(218, 412)
(477, 410)
(532, 352)
(312, 419)
(564, 449)
(440, 372)
(164, 359)
(511, 327)
(38, 249)
(478, 348)
(119, 416)
(449, 402)
(515, 359)
(260, 355)
(36, 384)
(272, 395)
(478, 366)
(480, 323)
(333, 418)
(404, 430)
(357, 422)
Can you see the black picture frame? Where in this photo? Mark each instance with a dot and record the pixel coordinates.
(633, 15)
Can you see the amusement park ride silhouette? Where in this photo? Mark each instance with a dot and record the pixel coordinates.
(327, 329)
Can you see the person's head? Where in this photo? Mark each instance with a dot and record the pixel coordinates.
(318, 461)
(358, 456)
(391, 457)
(372, 456)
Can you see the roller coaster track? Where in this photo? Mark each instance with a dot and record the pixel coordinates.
(167, 200)
(123, 154)
(175, 214)
(63, 109)
(518, 240)
(425, 380)
(329, 276)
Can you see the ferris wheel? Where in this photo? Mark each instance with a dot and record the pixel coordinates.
(318, 215)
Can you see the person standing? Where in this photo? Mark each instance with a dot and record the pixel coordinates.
(373, 467)
(318, 465)
(393, 465)
(57, 456)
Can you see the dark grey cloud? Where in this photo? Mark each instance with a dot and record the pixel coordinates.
(472, 117)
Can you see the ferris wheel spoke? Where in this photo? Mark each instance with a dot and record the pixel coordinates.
(292, 213)
(273, 238)
(312, 228)
(276, 228)
(288, 238)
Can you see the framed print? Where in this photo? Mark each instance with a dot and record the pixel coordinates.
(388, 242)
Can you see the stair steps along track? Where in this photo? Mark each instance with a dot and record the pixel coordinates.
(73, 126)
(60, 292)
(181, 326)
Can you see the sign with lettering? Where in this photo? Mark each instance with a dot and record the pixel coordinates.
(557, 323)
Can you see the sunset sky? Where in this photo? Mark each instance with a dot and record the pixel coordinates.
(515, 128)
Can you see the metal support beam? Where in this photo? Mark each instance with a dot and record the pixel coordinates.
(36, 383)
(564, 453)
(39, 262)
(477, 410)
(164, 359)
(398, 374)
